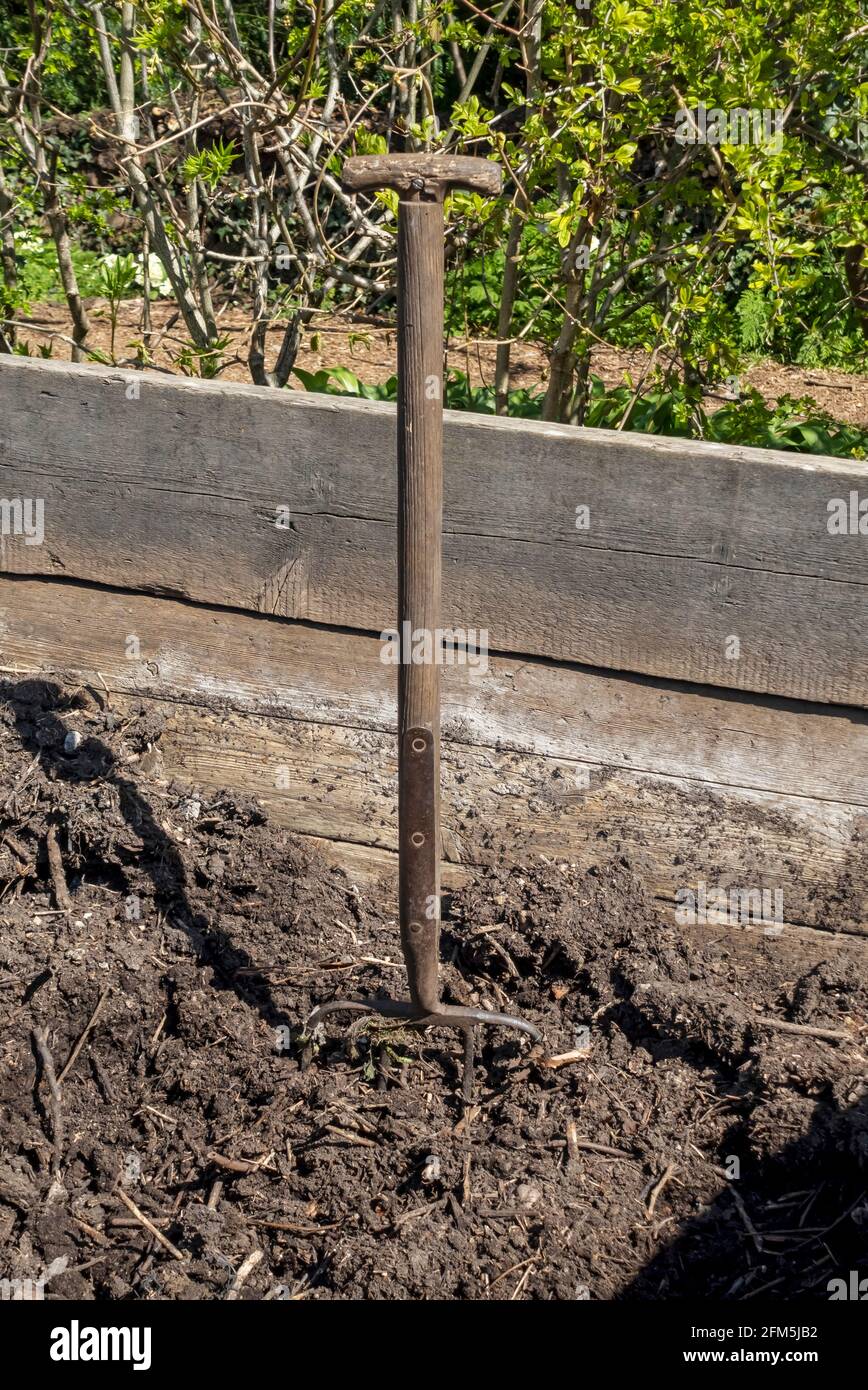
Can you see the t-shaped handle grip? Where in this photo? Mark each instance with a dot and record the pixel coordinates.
(421, 177)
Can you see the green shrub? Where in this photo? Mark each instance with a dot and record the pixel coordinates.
(798, 425)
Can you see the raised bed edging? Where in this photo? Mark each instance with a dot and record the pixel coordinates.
(692, 785)
(164, 485)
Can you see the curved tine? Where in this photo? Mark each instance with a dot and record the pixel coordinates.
(391, 1008)
(447, 1016)
(456, 1016)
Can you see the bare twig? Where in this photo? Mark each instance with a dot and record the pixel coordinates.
(807, 1030)
(245, 1269)
(55, 868)
(20, 783)
(41, 1043)
(563, 1059)
(83, 1038)
(149, 1225)
(665, 1178)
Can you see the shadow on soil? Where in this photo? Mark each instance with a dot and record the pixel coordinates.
(38, 706)
(785, 1229)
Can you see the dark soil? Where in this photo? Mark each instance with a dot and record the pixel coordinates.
(689, 1150)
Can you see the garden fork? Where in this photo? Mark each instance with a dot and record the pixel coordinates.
(421, 181)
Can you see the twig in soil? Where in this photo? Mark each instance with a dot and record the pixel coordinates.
(123, 1223)
(240, 1165)
(612, 1097)
(310, 1280)
(350, 1137)
(457, 1214)
(501, 950)
(20, 783)
(806, 1030)
(588, 1146)
(244, 1271)
(503, 1214)
(92, 1231)
(105, 1086)
(521, 1283)
(513, 1269)
(826, 1229)
(563, 1059)
(811, 1200)
(83, 1038)
(149, 1225)
(88, 1264)
(343, 926)
(55, 868)
(748, 1224)
(152, 1110)
(466, 1190)
(413, 1215)
(469, 1058)
(18, 849)
(293, 1229)
(41, 1043)
(658, 1187)
(467, 1119)
(158, 1030)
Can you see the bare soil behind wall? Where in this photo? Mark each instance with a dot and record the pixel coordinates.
(368, 347)
(162, 1139)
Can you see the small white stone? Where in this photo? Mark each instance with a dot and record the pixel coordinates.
(431, 1171)
(527, 1195)
(192, 809)
(72, 741)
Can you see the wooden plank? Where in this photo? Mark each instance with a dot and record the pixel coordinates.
(174, 487)
(341, 784)
(169, 650)
(798, 948)
(325, 764)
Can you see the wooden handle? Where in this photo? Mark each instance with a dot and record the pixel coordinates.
(427, 176)
(420, 525)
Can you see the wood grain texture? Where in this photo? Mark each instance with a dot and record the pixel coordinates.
(689, 785)
(177, 492)
(162, 649)
(340, 783)
(438, 172)
(420, 527)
